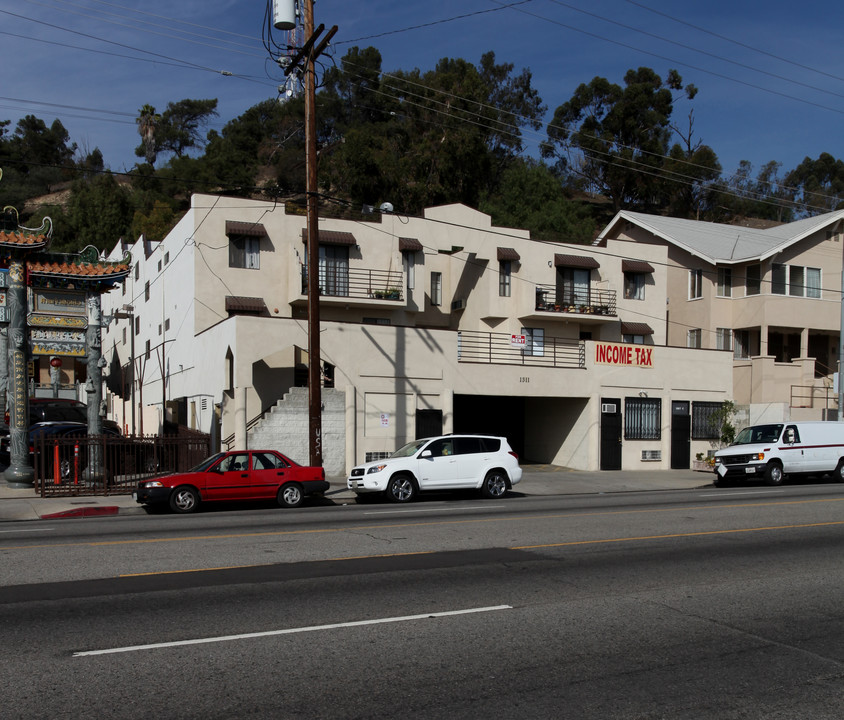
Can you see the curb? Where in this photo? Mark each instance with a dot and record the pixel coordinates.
(82, 512)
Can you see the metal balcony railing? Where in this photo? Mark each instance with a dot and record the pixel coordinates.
(358, 283)
(586, 301)
(498, 349)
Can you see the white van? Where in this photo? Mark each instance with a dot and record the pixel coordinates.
(776, 450)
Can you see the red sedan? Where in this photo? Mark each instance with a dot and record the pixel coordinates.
(235, 475)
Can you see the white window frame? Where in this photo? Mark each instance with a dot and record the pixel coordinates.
(634, 286)
(723, 338)
(505, 271)
(695, 284)
(795, 280)
(249, 256)
(753, 284)
(693, 338)
(436, 288)
(534, 342)
(725, 282)
(409, 263)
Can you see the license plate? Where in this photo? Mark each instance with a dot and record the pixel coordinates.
(353, 483)
(135, 496)
(750, 470)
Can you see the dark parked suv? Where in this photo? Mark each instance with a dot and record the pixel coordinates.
(61, 410)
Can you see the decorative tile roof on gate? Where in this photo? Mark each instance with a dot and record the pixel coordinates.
(64, 268)
(23, 239)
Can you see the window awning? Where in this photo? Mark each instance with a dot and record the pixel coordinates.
(409, 245)
(245, 228)
(576, 261)
(242, 304)
(505, 253)
(636, 266)
(331, 237)
(636, 328)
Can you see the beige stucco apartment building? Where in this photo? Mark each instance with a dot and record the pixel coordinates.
(583, 356)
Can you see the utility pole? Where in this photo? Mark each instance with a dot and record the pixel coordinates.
(314, 374)
(309, 54)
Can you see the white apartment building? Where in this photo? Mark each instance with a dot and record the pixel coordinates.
(439, 323)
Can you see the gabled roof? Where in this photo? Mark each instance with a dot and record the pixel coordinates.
(718, 243)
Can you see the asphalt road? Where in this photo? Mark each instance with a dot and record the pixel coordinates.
(703, 604)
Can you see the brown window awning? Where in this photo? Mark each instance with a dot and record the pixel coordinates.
(239, 304)
(245, 228)
(331, 237)
(636, 266)
(636, 328)
(508, 254)
(409, 245)
(576, 261)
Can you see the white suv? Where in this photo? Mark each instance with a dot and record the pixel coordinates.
(448, 462)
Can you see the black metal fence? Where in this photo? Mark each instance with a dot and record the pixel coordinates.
(358, 283)
(499, 349)
(111, 465)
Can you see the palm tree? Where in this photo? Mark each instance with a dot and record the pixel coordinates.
(147, 121)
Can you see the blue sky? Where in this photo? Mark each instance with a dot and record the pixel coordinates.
(770, 73)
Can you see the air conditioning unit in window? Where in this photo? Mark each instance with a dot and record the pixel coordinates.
(458, 304)
(609, 408)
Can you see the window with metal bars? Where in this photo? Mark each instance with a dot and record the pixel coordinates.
(642, 418)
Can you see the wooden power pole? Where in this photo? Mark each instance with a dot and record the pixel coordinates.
(309, 54)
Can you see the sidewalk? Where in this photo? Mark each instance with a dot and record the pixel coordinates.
(536, 480)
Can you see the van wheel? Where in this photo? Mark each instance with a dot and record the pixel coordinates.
(773, 474)
(839, 471)
(720, 482)
(401, 489)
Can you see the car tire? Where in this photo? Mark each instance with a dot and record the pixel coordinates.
(774, 474)
(494, 485)
(839, 471)
(184, 500)
(290, 495)
(401, 489)
(721, 482)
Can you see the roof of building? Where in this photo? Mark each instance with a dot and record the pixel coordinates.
(20, 239)
(726, 244)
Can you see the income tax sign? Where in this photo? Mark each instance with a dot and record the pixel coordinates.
(617, 354)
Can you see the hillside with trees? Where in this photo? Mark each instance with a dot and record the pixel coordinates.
(454, 133)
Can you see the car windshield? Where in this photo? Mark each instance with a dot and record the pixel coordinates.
(410, 449)
(759, 434)
(207, 463)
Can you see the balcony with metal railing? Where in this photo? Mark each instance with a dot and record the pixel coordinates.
(502, 349)
(362, 287)
(593, 304)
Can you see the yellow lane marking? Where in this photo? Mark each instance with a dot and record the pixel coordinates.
(517, 547)
(676, 535)
(241, 567)
(356, 528)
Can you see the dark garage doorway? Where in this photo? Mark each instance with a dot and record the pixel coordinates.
(492, 415)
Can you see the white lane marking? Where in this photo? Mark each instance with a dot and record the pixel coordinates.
(437, 509)
(747, 492)
(40, 529)
(290, 631)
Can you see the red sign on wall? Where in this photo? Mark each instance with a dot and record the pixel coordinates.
(618, 354)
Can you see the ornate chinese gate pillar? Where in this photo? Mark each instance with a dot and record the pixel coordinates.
(19, 474)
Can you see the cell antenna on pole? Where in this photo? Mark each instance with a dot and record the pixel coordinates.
(284, 14)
